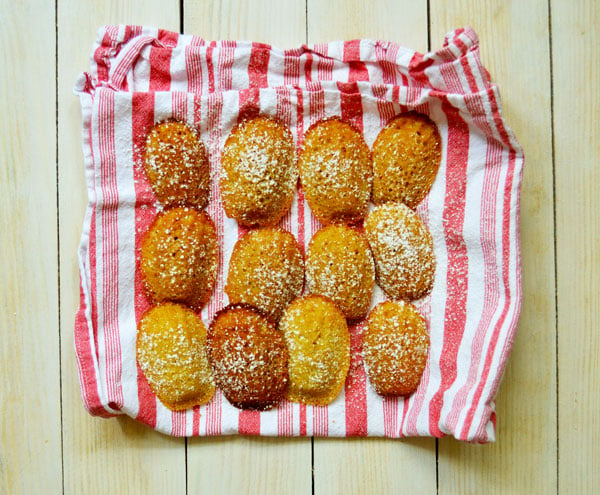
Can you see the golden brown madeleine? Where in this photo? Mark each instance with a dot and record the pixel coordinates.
(339, 265)
(258, 172)
(171, 351)
(336, 172)
(395, 346)
(406, 158)
(402, 247)
(176, 165)
(248, 357)
(318, 342)
(179, 257)
(266, 270)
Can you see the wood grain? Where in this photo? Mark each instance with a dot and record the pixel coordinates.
(282, 24)
(515, 48)
(575, 62)
(30, 447)
(404, 22)
(372, 465)
(238, 464)
(117, 455)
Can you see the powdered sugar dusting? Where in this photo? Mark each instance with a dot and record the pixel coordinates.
(258, 172)
(179, 257)
(248, 357)
(176, 165)
(403, 251)
(318, 342)
(406, 158)
(171, 351)
(339, 265)
(266, 270)
(336, 171)
(395, 347)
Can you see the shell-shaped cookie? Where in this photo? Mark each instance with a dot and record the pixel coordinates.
(395, 346)
(336, 172)
(248, 357)
(402, 247)
(318, 343)
(266, 270)
(171, 352)
(176, 165)
(406, 158)
(339, 265)
(179, 257)
(258, 172)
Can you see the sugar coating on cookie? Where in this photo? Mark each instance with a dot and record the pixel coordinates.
(402, 248)
(171, 352)
(179, 257)
(266, 270)
(406, 158)
(176, 165)
(336, 171)
(395, 346)
(339, 265)
(258, 172)
(318, 342)
(248, 357)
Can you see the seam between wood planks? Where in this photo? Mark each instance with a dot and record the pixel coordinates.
(59, 316)
(553, 159)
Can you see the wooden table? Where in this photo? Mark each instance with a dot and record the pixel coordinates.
(543, 54)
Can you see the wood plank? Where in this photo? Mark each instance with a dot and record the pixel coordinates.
(404, 22)
(30, 456)
(515, 48)
(249, 465)
(244, 464)
(372, 465)
(576, 78)
(282, 24)
(100, 456)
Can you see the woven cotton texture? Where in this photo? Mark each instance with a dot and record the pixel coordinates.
(140, 76)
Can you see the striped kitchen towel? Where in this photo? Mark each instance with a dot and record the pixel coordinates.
(141, 75)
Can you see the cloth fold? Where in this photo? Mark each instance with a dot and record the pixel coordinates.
(142, 75)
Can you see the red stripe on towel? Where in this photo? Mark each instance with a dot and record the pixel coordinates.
(457, 274)
(142, 120)
(356, 383)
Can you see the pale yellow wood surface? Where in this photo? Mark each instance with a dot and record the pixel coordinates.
(91, 455)
(30, 449)
(402, 21)
(576, 77)
(372, 465)
(100, 456)
(248, 465)
(515, 49)
(282, 24)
